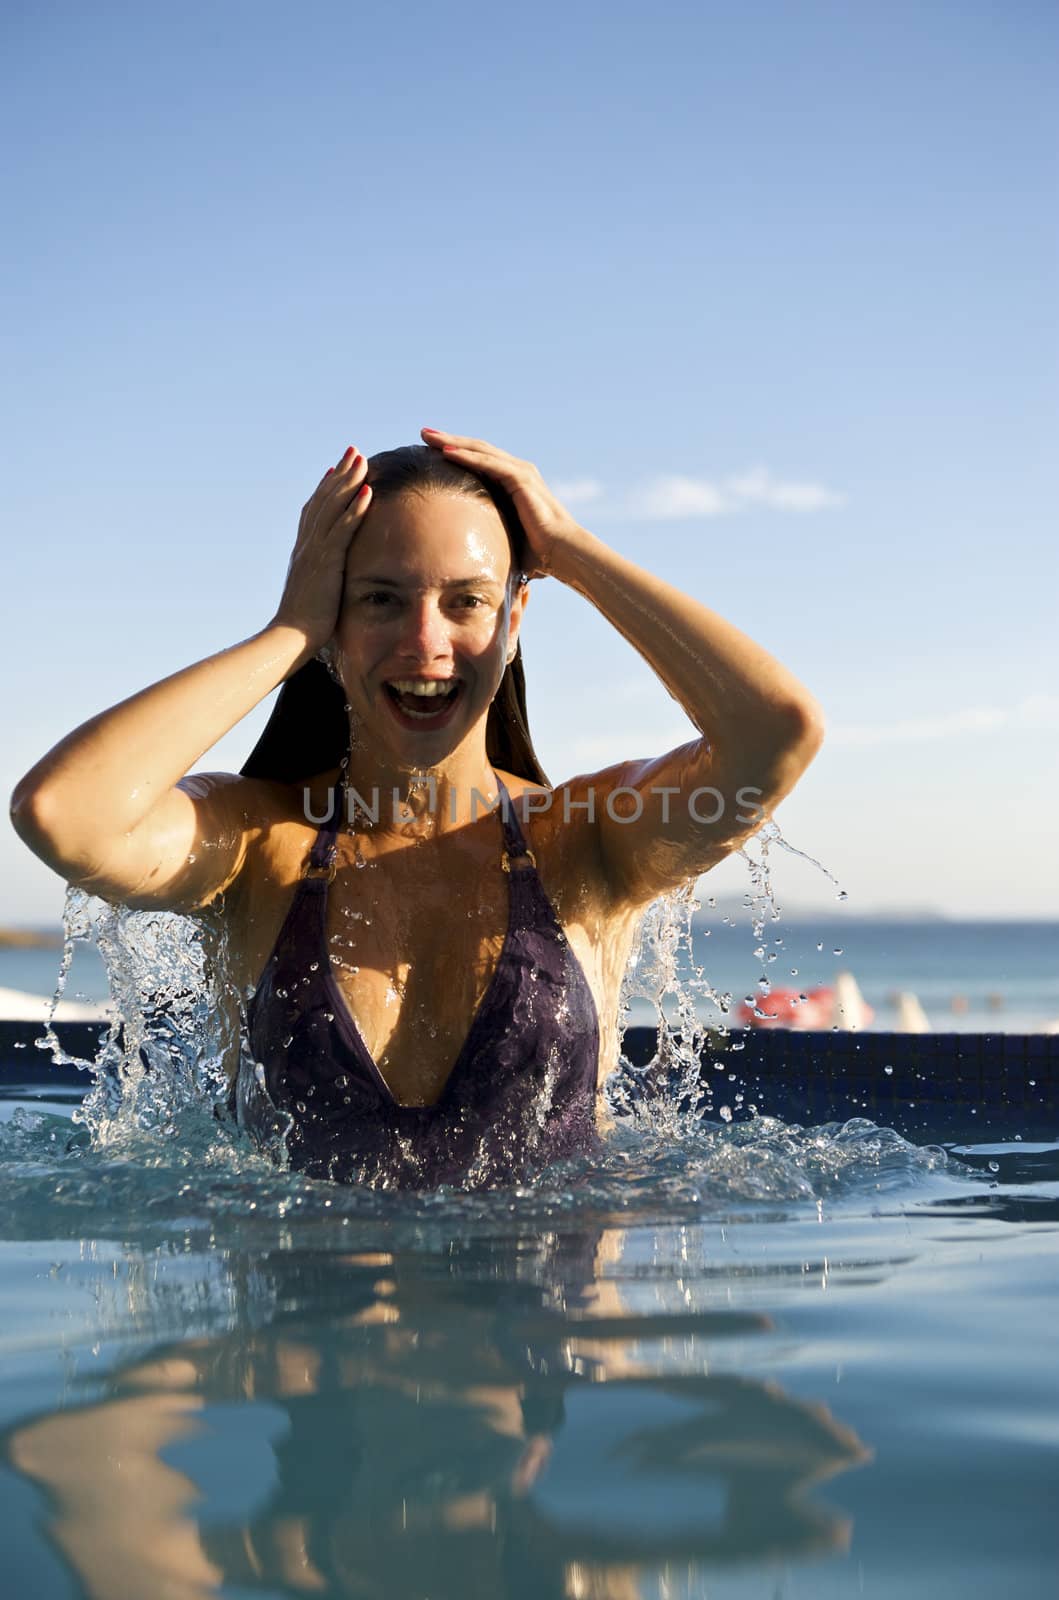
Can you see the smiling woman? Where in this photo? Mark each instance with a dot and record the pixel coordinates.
(429, 937)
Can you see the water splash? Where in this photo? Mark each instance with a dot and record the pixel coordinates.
(670, 1087)
(164, 1068)
(671, 1090)
(148, 1150)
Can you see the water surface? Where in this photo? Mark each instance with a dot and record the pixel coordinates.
(725, 1361)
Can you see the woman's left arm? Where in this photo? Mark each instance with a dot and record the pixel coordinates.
(682, 812)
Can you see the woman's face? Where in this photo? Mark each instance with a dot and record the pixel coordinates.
(429, 601)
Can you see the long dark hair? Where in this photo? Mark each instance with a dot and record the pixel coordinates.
(308, 731)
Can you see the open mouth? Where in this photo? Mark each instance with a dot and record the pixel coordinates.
(423, 702)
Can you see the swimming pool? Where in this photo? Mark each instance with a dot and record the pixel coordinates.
(733, 1359)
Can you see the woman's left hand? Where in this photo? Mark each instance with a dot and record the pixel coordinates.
(545, 522)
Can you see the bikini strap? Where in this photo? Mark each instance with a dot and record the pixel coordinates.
(517, 857)
(323, 859)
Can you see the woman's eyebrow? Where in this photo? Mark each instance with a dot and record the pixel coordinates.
(477, 582)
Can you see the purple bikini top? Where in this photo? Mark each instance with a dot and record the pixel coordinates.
(520, 1095)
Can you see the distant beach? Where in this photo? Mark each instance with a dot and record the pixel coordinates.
(981, 977)
(30, 939)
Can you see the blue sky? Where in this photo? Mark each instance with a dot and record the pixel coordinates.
(767, 291)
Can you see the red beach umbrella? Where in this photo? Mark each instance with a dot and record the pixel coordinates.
(789, 1008)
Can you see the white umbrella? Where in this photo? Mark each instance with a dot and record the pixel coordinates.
(17, 1005)
(850, 1009)
(911, 1018)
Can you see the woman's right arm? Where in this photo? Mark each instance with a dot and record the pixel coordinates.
(110, 808)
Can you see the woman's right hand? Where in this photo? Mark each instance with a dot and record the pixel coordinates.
(312, 594)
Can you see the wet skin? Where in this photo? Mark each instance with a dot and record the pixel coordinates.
(415, 934)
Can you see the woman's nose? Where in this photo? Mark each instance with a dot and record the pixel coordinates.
(425, 633)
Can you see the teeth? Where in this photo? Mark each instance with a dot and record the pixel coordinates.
(424, 686)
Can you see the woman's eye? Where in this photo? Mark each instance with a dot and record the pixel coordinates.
(382, 599)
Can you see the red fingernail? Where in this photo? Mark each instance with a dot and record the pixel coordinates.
(431, 430)
(329, 471)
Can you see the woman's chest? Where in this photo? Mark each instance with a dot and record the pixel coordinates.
(409, 946)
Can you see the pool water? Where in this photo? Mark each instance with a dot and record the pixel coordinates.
(725, 1361)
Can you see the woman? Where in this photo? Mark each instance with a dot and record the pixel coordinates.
(432, 938)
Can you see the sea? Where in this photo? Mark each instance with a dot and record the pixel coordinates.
(978, 977)
(711, 1361)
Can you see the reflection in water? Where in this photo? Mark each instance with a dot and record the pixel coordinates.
(510, 1417)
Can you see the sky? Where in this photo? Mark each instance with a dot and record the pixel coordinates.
(767, 292)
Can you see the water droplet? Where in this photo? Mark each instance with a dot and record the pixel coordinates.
(837, 950)
(889, 1071)
(994, 1166)
(725, 1113)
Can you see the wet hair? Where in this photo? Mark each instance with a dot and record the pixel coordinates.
(308, 731)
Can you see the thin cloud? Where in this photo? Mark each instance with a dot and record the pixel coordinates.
(673, 499)
(678, 497)
(761, 488)
(642, 739)
(1034, 712)
(578, 491)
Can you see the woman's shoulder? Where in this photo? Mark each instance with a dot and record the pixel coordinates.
(268, 802)
(575, 800)
(565, 825)
(558, 822)
(272, 819)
